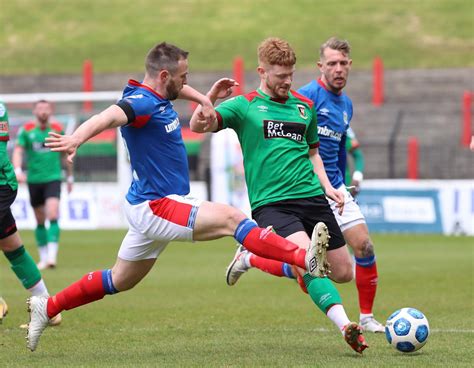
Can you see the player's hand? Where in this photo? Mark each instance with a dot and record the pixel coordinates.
(355, 188)
(338, 197)
(63, 143)
(222, 88)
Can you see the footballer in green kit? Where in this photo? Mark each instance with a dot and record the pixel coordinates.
(43, 176)
(275, 140)
(286, 180)
(10, 242)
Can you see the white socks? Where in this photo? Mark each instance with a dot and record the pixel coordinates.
(52, 253)
(39, 289)
(338, 315)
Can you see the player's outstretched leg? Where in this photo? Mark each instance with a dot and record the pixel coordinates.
(355, 339)
(244, 260)
(266, 244)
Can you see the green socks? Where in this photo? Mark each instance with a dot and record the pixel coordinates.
(53, 232)
(24, 267)
(41, 235)
(322, 291)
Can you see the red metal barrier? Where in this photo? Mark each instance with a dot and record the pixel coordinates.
(87, 83)
(377, 94)
(466, 119)
(239, 75)
(413, 158)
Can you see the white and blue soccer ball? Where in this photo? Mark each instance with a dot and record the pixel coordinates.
(407, 330)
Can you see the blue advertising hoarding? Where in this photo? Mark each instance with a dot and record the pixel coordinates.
(401, 210)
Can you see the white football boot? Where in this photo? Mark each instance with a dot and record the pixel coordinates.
(39, 320)
(370, 324)
(316, 254)
(237, 267)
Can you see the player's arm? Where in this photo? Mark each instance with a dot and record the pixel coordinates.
(112, 117)
(208, 114)
(17, 161)
(329, 190)
(358, 159)
(69, 172)
(221, 89)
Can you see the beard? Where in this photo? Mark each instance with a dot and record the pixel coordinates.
(277, 91)
(172, 90)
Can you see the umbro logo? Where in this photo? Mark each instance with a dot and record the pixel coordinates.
(324, 111)
(262, 108)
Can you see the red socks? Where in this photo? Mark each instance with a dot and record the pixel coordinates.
(86, 290)
(366, 281)
(267, 265)
(266, 244)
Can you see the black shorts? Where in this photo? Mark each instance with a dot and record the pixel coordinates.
(40, 192)
(7, 221)
(292, 215)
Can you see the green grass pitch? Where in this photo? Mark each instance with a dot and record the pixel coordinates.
(184, 315)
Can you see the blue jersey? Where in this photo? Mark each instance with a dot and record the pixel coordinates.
(334, 114)
(154, 143)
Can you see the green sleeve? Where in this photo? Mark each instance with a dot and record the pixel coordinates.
(312, 136)
(348, 143)
(233, 111)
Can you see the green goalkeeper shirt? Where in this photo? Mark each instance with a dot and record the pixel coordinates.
(275, 137)
(7, 174)
(42, 164)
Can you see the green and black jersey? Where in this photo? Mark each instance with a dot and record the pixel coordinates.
(7, 174)
(275, 136)
(42, 164)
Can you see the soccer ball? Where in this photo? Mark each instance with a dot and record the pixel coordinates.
(407, 330)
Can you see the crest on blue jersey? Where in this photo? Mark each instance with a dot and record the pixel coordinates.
(345, 118)
(302, 110)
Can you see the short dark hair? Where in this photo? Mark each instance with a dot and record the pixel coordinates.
(335, 43)
(163, 56)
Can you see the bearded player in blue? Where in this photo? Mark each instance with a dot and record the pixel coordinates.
(334, 112)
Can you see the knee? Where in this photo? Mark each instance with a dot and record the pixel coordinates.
(364, 248)
(234, 217)
(343, 272)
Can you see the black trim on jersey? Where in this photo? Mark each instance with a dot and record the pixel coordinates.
(127, 109)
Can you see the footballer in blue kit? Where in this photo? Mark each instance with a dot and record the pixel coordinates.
(334, 113)
(158, 206)
(157, 169)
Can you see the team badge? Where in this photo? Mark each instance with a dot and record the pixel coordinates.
(345, 117)
(302, 110)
